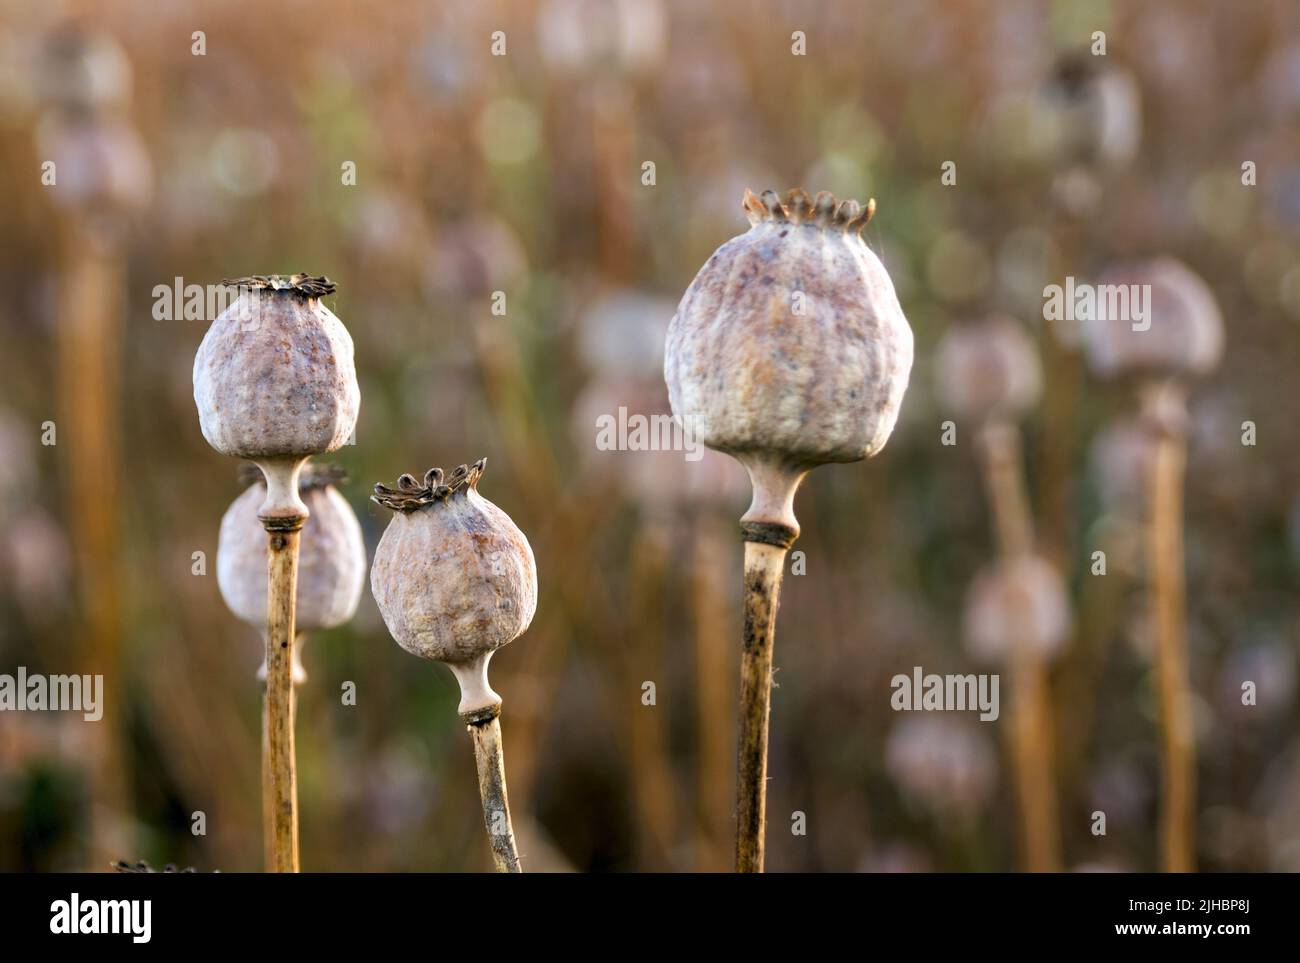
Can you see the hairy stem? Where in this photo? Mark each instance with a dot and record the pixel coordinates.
(764, 564)
(279, 775)
(485, 729)
(268, 827)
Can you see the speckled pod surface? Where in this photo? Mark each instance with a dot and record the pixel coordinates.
(1185, 337)
(1017, 603)
(453, 576)
(274, 376)
(790, 344)
(988, 368)
(331, 557)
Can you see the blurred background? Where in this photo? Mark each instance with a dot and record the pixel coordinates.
(224, 153)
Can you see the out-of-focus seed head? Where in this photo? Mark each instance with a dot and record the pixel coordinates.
(942, 763)
(1099, 111)
(1120, 459)
(584, 36)
(622, 335)
(1017, 604)
(634, 449)
(988, 368)
(454, 577)
(1271, 666)
(790, 346)
(275, 376)
(84, 71)
(1181, 338)
(101, 165)
(331, 555)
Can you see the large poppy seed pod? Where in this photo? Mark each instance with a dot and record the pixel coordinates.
(988, 368)
(331, 557)
(453, 576)
(1182, 337)
(1017, 604)
(275, 381)
(789, 349)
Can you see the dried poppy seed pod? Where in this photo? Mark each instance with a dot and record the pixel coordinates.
(331, 559)
(454, 577)
(275, 382)
(455, 580)
(789, 349)
(989, 368)
(1181, 335)
(1016, 604)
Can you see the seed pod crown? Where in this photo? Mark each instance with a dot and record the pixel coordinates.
(275, 376)
(790, 345)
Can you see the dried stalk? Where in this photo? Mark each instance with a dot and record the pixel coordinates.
(485, 729)
(279, 775)
(1031, 729)
(764, 565)
(268, 827)
(89, 359)
(1168, 597)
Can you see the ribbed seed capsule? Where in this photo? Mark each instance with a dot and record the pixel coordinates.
(789, 349)
(454, 577)
(455, 580)
(275, 381)
(331, 560)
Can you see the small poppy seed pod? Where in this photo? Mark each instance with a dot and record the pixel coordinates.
(275, 382)
(454, 578)
(988, 368)
(331, 559)
(1017, 604)
(1181, 336)
(789, 349)
(1120, 463)
(103, 167)
(84, 71)
(1100, 111)
(943, 764)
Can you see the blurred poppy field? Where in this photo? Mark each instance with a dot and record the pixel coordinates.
(512, 198)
